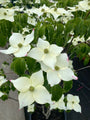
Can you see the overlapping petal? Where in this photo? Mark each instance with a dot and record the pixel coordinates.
(53, 78)
(25, 99)
(62, 60)
(36, 54)
(22, 52)
(55, 50)
(66, 74)
(41, 95)
(42, 44)
(37, 79)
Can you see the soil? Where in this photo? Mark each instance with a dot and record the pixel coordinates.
(55, 115)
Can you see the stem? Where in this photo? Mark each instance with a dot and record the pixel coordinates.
(82, 68)
(47, 113)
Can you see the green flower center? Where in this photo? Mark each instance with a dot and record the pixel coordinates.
(72, 102)
(43, 10)
(57, 68)
(89, 3)
(5, 13)
(31, 88)
(76, 7)
(20, 45)
(46, 51)
(55, 9)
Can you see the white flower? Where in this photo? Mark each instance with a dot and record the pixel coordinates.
(45, 52)
(40, 11)
(84, 5)
(62, 70)
(32, 89)
(18, 46)
(4, 2)
(25, 30)
(31, 20)
(2, 80)
(1, 94)
(37, 1)
(31, 108)
(78, 40)
(73, 103)
(56, 12)
(7, 14)
(60, 104)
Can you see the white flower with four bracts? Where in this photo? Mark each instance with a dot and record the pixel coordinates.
(7, 14)
(32, 90)
(31, 108)
(62, 70)
(73, 103)
(18, 46)
(45, 52)
(60, 104)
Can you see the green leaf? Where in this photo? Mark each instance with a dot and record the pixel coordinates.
(18, 66)
(5, 31)
(56, 92)
(67, 85)
(32, 65)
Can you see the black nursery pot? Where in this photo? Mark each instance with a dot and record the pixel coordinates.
(81, 87)
(38, 115)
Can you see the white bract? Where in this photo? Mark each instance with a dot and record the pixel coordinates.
(62, 70)
(31, 108)
(32, 89)
(2, 80)
(18, 46)
(7, 14)
(45, 52)
(1, 94)
(73, 103)
(59, 104)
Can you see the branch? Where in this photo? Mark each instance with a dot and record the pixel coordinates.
(82, 68)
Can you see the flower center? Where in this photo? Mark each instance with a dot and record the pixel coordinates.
(5, 13)
(43, 10)
(55, 9)
(72, 102)
(57, 68)
(20, 45)
(76, 7)
(89, 3)
(31, 88)
(46, 51)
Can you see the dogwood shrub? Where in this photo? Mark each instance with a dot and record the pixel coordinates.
(44, 36)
